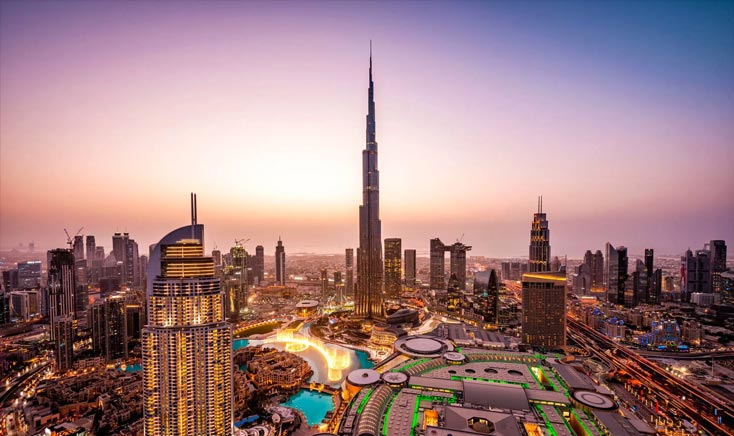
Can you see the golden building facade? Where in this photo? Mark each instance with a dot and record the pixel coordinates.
(187, 344)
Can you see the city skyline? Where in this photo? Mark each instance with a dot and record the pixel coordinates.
(651, 122)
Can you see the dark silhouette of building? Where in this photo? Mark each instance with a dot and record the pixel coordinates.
(61, 285)
(697, 272)
(458, 262)
(368, 298)
(410, 267)
(91, 251)
(63, 332)
(108, 321)
(393, 268)
(487, 296)
(438, 264)
(324, 285)
(260, 264)
(718, 264)
(616, 273)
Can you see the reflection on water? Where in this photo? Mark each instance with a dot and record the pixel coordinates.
(313, 404)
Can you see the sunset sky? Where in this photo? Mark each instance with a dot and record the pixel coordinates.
(620, 114)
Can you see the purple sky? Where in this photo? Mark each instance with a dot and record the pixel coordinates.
(620, 114)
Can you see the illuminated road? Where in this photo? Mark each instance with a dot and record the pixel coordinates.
(700, 404)
(337, 360)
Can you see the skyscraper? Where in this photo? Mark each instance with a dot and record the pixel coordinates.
(368, 298)
(280, 263)
(260, 264)
(487, 296)
(393, 268)
(697, 272)
(615, 273)
(324, 285)
(718, 264)
(458, 262)
(78, 247)
(438, 264)
(91, 251)
(63, 332)
(539, 241)
(108, 320)
(544, 309)
(349, 262)
(29, 274)
(410, 268)
(597, 270)
(187, 344)
(62, 285)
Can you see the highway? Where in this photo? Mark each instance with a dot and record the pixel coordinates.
(699, 402)
(19, 382)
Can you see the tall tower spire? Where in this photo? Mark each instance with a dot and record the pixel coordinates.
(368, 298)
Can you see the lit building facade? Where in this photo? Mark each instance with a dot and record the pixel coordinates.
(718, 264)
(438, 264)
(544, 309)
(108, 320)
(393, 268)
(540, 250)
(61, 285)
(187, 344)
(280, 263)
(368, 298)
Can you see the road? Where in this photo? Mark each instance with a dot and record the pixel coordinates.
(19, 382)
(700, 401)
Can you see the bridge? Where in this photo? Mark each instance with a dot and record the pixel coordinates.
(320, 387)
(337, 360)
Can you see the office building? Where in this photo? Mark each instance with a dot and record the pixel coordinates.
(616, 273)
(410, 268)
(61, 285)
(544, 310)
(108, 321)
(187, 344)
(78, 247)
(29, 274)
(260, 264)
(718, 264)
(697, 272)
(458, 262)
(597, 270)
(4, 307)
(338, 287)
(438, 264)
(393, 268)
(540, 250)
(487, 296)
(63, 330)
(280, 263)
(91, 247)
(349, 280)
(368, 298)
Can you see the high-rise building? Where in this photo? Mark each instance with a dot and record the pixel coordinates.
(718, 264)
(338, 287)
(544, 309)
(91, 250)
(63, 331)
(260, 264)
(29, 274)
(187, 344)
(108, 320)
(437, 265)
(280, 263)
(540, 250)
(393, 268)
(597, 270)
(458, 262)
(132, 267)
(349, 262)
(410, 268)
(217, 257)
(697, 272)
(616, 273)
(78, 247)
(324, 285)
(61, 285)
(4, 307)
(487, 296)
(368, 298)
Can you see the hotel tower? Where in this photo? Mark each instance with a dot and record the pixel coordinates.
(187, 344)
(368, 297)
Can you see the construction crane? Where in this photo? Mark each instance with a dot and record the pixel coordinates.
(241, 242)
(69, 239)
(461, 238)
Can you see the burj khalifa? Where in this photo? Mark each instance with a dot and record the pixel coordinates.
(368, 296)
